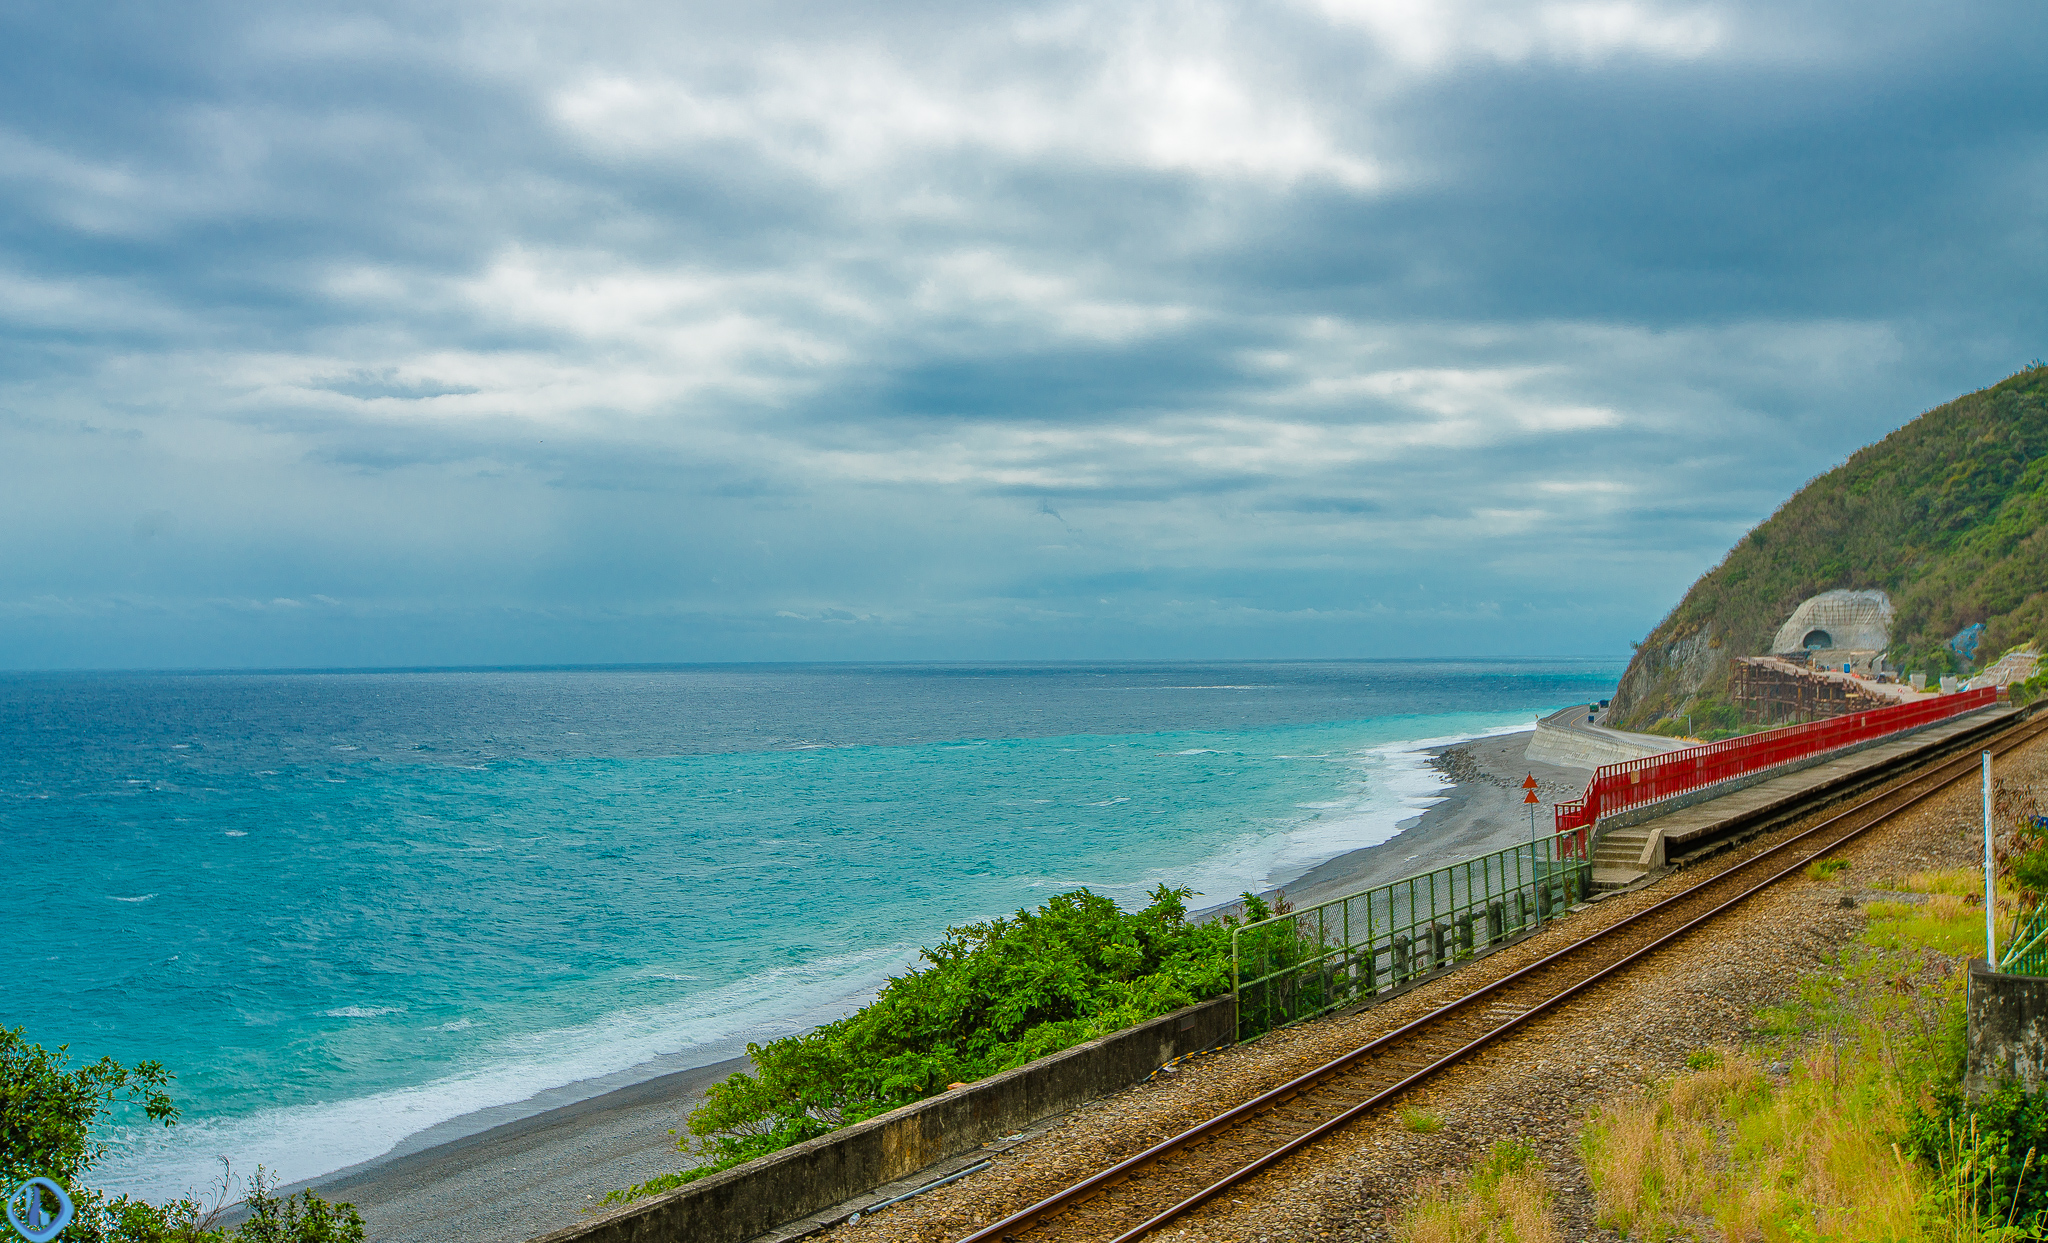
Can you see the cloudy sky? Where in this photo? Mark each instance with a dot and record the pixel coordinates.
(444, 333)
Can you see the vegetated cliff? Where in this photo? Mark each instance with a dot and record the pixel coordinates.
(1949, 514)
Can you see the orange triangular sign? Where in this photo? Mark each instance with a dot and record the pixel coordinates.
(1531, 798)
(1530, 784)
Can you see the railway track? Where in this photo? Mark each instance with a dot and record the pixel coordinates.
(1137, 1196)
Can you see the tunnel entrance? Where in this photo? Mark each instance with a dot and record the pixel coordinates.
(1817, 640)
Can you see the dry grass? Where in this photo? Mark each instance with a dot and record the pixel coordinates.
(1738, 1150)
(1960, 882)
(1724, 1153)
(1505, 1200)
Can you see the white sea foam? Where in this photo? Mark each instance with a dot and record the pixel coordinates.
(233, 833)
(1376, 788)
(305, 1141)
(363, 1012)
(144, 898)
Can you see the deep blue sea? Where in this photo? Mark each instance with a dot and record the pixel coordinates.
(342, 908)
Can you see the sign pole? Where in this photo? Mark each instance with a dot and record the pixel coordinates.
(1990, 878)
(1535, 864)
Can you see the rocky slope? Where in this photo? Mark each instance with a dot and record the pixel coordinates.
(1949, 514)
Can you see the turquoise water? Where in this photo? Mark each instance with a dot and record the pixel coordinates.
(343, 908)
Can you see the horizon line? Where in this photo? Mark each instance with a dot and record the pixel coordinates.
(677, 666)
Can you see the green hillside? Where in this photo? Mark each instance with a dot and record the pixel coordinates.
(1949, 514)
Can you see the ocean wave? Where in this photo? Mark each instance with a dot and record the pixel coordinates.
(363, 1012)
(1387, 783)
(144, 898)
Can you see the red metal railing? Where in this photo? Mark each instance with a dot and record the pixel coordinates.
(1634, 783)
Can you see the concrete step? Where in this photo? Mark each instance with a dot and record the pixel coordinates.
(1617, 857)
(1622, 850)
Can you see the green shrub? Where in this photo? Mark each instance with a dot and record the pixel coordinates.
(990, 997)
(2031, 870)
(1990, 1152)
(47, 1109)
(48, 1115)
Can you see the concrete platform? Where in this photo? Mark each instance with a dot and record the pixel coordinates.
(1626, 854)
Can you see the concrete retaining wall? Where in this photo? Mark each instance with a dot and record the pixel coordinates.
(2008, 1030)
(1590, 746)
(754, 1198)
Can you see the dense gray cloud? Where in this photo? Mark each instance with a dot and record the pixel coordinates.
(479, 334)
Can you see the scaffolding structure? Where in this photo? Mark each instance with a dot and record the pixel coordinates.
(1771, 691)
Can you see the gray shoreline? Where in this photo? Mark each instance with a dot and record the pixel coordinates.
(1480, 814)
(528, 1176)
(539, 1172)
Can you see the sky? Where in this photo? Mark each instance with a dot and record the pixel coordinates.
(445, 333)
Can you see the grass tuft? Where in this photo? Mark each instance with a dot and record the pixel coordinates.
(1824, 869)
(1504, 1200)
(1420, 1121)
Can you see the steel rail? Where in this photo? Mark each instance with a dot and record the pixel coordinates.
(1933, 778)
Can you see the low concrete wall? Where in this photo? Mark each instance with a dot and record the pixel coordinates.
(751, 1199)
(1590, 746)
(2008, 1030)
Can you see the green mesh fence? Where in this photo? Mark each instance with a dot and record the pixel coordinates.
(1302, 963)
(2027, 952)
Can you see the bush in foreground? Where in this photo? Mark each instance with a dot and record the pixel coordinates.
(48, 1114)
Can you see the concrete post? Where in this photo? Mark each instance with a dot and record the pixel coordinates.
(2008, 1038)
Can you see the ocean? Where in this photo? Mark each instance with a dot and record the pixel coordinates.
(343, 908)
